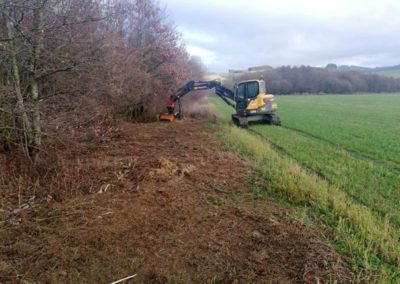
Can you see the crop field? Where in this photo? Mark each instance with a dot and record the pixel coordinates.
(351, 143)
(367, 124)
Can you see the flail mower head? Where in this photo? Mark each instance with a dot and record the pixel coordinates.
(171, 115)
(167, 117)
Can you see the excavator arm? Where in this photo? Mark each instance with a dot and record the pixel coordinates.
(220, 90)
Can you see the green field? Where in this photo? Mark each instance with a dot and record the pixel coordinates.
(351, 145)
(352, 141)
(369, 124)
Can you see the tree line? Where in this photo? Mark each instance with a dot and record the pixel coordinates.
(79, 57)
(306, 79)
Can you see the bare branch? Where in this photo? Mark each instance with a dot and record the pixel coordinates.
(81, 22)
(12, 128)
(153, 68)
(60, 70)
(5, 111)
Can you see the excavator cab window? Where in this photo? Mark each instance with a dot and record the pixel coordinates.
(263, 88)
(241, 91)
(252, 90)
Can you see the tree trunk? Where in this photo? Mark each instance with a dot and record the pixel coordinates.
(34, 86)
(16, 78)
(31, 125)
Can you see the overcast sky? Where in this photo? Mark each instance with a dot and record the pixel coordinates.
(236, 34)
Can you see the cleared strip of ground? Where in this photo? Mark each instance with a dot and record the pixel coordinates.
(167, 202)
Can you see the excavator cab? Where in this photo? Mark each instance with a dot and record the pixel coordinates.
(253, 104)
(246, 92)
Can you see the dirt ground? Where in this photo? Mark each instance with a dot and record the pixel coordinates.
(166, 202)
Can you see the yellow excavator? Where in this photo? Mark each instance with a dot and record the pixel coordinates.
(249, 100)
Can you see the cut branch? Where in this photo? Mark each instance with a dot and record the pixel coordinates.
(52, 72)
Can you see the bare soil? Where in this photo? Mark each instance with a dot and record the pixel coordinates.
(166, 202)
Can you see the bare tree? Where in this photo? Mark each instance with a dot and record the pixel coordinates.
(60, 53)
(35, 43)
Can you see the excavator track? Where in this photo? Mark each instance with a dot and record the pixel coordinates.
(240, 121)
(275, 120)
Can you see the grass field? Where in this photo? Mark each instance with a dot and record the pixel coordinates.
(352, 141)
(345, 148)
(368, 124)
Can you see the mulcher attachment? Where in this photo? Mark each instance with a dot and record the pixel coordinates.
(167, 117)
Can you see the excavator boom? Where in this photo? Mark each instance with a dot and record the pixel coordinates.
(220, 90)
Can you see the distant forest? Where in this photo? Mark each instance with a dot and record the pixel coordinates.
(306, 79)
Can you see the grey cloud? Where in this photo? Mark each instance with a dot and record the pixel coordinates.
(251, 36)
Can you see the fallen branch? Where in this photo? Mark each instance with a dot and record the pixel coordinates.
(58, 216)
(124, 279)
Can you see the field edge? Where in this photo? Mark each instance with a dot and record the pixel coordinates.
(369, 242)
